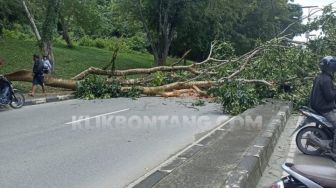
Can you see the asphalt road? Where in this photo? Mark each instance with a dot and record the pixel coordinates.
(286, 151)
(114, 143)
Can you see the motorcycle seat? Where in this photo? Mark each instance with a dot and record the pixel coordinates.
(315, 115)
(322, 175)
(309, 109)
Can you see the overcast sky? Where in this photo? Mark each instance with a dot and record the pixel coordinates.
(314, 2)
(320, 3)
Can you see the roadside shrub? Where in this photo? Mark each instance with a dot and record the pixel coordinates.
(86, 41)
(95, 87)
(13, 34)
(137, 43)
(59, 40)
(235, 97)
(17, 31)
(158, 78)
(101, 43)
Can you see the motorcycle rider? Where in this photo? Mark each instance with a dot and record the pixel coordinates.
(4, 90)
(323, 95)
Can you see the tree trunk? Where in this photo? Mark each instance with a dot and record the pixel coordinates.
(47, 50)
(97, 71)
(65, 32)
(32, 21)
(161, 61)
(27, 76)
(49, 25)
(160, 45)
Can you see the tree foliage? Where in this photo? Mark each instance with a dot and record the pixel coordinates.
(172, 27)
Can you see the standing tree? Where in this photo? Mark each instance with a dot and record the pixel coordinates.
(83, 14)
(32, 21)
(159, 18)
(48, 28)
(242, 23)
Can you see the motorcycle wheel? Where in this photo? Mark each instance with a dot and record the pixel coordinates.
(18, 100)
(303, 143)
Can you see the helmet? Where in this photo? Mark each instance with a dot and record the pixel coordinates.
(328, 64)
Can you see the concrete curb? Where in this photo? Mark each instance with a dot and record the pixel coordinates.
(247, 170)
(255, 160)
(49, 99)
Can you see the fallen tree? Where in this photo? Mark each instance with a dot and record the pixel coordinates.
(27, 76)
(278, 68)
(202, 75)
(98, 71)
(272, 70)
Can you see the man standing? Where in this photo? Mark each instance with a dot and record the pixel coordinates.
(38, 78)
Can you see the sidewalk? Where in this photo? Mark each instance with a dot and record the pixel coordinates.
(286, 151)
(233, 156)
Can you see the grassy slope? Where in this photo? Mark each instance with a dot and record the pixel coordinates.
(69, 62)
(18, 55)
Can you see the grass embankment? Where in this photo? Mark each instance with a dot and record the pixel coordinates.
(69, 62)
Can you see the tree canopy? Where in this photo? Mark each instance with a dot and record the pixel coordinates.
(168, 27)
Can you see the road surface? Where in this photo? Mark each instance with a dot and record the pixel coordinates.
(101, 143)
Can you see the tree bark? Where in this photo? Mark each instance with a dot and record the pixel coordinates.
(97, 71)
(164, 33)
(49, 25)
(27, 76)
(47, 49)
(175, 86)
(65, 32)
(32, 21)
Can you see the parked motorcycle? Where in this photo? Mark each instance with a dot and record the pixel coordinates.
(307, 176)
(15, 99)
(314, 137)
(315, 134)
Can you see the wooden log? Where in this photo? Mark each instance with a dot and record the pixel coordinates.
(27, 76)
(97, 71)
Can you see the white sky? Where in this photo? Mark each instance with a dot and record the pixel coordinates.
(320, 3)
(313, 2)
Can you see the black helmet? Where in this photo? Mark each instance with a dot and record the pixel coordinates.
(328, 64)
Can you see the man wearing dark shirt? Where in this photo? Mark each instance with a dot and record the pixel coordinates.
(323, 94)
(38, 78)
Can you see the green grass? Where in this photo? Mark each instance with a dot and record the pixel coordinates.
(69, 62)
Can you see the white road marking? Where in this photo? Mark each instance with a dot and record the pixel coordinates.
(115, 112)
(257, 146)
(55, 128)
